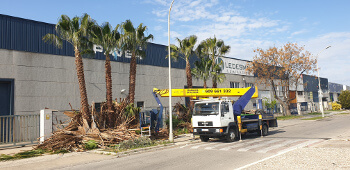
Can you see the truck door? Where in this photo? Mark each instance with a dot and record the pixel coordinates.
(226, 117)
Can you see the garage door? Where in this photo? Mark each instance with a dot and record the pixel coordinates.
(6, 96)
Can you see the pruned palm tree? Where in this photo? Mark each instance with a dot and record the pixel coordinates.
(75, 32)
(185, 50)
(202, 70)
(108, 38)
(216, 72)
(134, 41)
(214, 48)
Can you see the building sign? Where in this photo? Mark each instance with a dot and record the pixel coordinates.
(115, 53)
(233, 66)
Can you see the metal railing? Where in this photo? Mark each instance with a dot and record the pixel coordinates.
(19, 129)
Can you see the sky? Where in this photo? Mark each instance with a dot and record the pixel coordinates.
(245, 25)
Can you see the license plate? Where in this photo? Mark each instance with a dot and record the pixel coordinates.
(206, 130)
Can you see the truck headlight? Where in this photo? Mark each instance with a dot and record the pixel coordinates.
(219, 130)
(194, 130)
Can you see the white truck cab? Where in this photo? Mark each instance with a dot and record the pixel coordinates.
(212, 117)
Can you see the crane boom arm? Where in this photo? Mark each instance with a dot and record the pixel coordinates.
(208, 92)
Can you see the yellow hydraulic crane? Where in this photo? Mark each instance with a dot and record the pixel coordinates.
(205, 92)
(202, 92)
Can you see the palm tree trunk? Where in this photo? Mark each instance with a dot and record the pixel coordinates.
(189, 80)
(109, 91)
(188, 73)
(204, 84)
(212, 69)
(84, 105)
(132, 77)
(215, 85)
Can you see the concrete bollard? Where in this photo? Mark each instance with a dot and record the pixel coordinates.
(45, 124)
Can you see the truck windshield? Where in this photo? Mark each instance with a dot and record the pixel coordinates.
(206, 109)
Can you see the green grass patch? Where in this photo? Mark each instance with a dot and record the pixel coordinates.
(140, 142)
(314, 118)
(314, 113)
(21, 155)
(29, 154)
(318, 113)
(91, 144)
(344, 113)
(332, 111)
(181, 131)
(288, 117)
(4, 157)
(60, 151)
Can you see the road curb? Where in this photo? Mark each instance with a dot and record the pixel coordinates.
(146, 149)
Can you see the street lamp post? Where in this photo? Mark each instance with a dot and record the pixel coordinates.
(171, 138)
(319, 83)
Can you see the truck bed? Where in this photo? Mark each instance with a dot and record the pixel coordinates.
(268, 118)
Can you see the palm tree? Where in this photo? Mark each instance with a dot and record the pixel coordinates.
(214, 48)
(202, 70)
(216, 72)
(75, 32)
(134, 41)
(185, 50)
(108, 38)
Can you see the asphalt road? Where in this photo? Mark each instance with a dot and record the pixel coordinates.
(215, 154)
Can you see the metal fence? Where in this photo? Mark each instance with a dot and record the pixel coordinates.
(19, 129)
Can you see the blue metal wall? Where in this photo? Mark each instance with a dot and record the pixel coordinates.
(335, 88)
(311, 83)
(26, 35)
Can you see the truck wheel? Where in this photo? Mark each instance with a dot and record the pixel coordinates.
(265, 130)
(204, 138)
(231, 136)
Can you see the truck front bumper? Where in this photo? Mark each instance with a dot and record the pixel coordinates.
(210, 132)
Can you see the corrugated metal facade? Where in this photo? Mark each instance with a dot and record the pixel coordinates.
(311, 83)
(335, 88)
(26, 35)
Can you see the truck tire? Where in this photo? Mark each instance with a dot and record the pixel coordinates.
(265, 130)
(204, 138)
(231, 136)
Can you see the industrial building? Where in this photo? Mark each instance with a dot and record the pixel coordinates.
(36, 75)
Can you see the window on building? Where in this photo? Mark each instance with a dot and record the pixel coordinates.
(234, 84)
(249, 84)
(139, 104)
(309, 95)
(279, 90)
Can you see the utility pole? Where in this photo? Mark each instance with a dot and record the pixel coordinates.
(171, 138)
(319, 84)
